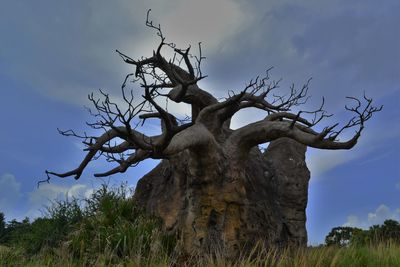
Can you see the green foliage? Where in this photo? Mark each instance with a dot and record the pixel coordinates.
(15, 231)
(108, 229)
(106, 226)
(48, 231)
(341, 236)
(116, 227)
(389, 231)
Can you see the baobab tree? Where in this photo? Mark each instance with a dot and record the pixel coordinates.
(214, 186)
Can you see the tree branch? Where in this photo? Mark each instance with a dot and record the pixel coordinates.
(284, 124)
(131, 161)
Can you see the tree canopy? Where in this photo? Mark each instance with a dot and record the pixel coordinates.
(389, 231)
(341, 236)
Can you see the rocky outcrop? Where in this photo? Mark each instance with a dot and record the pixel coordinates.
(269, 205)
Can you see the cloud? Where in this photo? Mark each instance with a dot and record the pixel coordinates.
(377, 216)
(352, 221)
(209, 21)
(368, 149)
(339, 45)
(319, 162)
(42, 196)
(397, 185)
(9, 192)
(71, 46)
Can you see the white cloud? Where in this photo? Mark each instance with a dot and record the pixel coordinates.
(209, 21)
(9, 192)
(380, 214)
(377, 216)
(52, 191)
(352, 221)
(42, 196)
(322, 161)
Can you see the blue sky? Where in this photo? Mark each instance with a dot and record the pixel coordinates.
(53, 53)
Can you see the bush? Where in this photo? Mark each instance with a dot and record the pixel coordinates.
(389, 231)
(48, 231)
(113, 225)
(14, 232)
(341, 236)
(108, 225)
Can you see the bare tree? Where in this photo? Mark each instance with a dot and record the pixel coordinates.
(202, 153)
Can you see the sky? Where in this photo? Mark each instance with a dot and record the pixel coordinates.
(54, 53)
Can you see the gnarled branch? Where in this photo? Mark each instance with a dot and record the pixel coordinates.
(121, 142)
(285, 124)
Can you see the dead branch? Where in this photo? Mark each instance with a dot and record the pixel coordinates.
(177, 79)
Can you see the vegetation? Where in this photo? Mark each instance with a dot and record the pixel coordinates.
(108, 229)
(341, 236)
(2, 225)
(389, 231)
(104, 229)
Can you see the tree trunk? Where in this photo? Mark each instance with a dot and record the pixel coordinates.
(216, 201)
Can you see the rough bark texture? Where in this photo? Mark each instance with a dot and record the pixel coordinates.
(224, 210)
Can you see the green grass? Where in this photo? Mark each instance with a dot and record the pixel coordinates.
(108, 229)
(379, 255)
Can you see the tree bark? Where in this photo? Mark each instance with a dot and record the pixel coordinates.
(217, 202)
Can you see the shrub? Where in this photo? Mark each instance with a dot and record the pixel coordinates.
(341, 236)
(113, 225)
(389, 231)
(108, 224)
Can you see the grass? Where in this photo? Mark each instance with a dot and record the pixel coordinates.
(108, 229)
(380, 255)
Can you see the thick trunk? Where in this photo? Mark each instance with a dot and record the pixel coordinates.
(217, 202)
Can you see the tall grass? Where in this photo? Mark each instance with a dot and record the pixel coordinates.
(108, 229)
(379, 255)
(374, 255)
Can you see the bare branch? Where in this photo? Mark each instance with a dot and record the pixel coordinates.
(139, 156)
(100, 141)
(177, 79)
(133, 139)
(284, 124)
